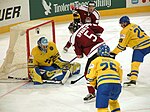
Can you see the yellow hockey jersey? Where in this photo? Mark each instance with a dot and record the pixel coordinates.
(132, 36)
(45, 59)
(104, 70)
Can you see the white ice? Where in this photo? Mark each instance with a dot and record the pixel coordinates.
(25, 97)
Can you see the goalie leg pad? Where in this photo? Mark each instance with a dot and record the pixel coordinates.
(35, 75)
(56, 75)
(48, 68)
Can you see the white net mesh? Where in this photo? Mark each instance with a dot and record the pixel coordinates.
(15, 63)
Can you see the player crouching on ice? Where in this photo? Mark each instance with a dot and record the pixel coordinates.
(105, 74)
(45, 63)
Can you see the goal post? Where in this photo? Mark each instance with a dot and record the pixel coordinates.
(23, 37)
(37, 26)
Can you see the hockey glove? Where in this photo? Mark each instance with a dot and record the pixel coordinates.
(66, 66)
(72, 7)
(79, 56)
(65, 49)
(112, 55)
(75, 14)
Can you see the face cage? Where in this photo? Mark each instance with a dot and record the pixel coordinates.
(43, 48)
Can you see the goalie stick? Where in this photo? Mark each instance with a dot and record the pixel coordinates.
(67, 73)
(44, 81)
(17, 78)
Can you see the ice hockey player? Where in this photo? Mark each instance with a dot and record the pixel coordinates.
(86, 42)
(88, 14)
(45, 63)
(105, 74)
(83, 15)
(71, 29)
(132, 36)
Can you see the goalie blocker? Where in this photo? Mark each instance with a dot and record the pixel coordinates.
(39, 75)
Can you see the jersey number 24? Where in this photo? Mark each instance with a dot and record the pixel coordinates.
(140, 32)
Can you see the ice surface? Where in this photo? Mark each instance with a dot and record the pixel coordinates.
(25, 97)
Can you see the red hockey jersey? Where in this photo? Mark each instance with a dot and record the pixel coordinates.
(87, 17)
(85, 40)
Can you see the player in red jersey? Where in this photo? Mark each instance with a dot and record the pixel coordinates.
(86, 14)
(86, 42)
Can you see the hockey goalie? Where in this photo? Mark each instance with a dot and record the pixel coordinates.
(45, 63)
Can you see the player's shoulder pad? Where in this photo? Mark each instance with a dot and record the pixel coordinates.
(51, 44)
(35, 50)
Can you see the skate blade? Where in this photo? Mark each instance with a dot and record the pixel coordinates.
(129, 85)
(90, 101)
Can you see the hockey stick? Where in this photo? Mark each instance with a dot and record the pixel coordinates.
(10, 77)
(72, 59)
(68, 73)
(72, 82)
(52, 82)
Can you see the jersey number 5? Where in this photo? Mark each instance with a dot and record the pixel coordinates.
(90, 36)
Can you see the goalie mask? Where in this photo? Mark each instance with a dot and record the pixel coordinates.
(43, 44)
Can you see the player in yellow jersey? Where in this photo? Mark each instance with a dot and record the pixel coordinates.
(132, 36)
(105, 74)
(45, 63)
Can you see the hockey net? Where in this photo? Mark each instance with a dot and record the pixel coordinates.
(23, 37)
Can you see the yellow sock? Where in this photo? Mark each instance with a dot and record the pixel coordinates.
(114, 105)
(134, 70)
(102, 110)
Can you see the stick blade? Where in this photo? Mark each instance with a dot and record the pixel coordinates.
(72, 82)
(17, 78)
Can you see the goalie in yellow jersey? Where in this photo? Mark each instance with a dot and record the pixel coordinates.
(45, 63)
(105, 74)
(132, 36)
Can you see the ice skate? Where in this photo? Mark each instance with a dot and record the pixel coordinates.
(131, 83)
(89, 98)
